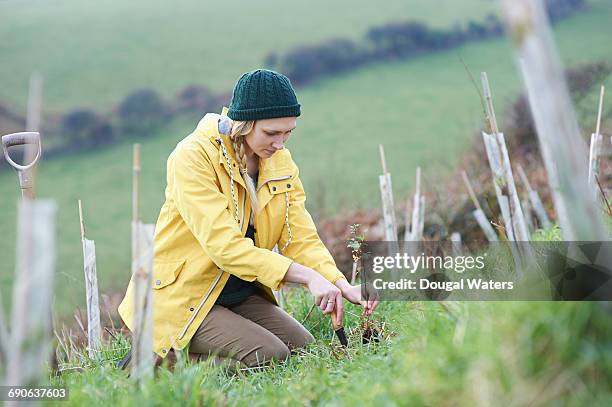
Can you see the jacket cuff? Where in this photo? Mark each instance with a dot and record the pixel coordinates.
(331, 273)
(273, 277)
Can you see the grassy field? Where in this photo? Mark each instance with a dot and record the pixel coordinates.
(462, 354)
(424, 111)
(428, 354)
(92, 55)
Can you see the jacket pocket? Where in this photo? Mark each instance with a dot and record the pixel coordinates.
(165, 274)
(280, 187)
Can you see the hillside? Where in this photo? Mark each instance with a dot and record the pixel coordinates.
(116, 46)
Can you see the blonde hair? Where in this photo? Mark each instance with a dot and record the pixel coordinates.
(240, 129)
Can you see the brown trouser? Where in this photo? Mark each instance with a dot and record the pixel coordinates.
(252, 333)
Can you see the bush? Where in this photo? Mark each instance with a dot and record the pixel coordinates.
(84, 128)
(305, 64)
(581, 81)
(141, 110)
(194, 98)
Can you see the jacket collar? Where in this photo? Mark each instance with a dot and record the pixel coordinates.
(277, 166)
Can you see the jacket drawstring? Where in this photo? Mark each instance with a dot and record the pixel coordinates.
(231, 173)
(287, 222)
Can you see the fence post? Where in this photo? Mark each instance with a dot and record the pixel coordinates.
(557, 128)
(519, 226)
(142, 276)
(30, 337)
(386, 193)
(479, 214)
(535, 200)
(142, 336)
(94, 329)
(4, 335)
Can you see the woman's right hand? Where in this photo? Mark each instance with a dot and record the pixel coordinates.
(327, 296)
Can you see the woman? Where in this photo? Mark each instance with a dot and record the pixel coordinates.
(233, 194)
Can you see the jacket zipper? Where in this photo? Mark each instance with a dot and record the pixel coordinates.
(197, 310)
(273, 179)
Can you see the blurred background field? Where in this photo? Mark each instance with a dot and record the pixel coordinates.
(91, 55)
(424, 110)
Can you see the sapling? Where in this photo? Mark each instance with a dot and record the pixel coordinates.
(354, 243)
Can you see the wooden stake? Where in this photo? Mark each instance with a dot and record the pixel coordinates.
(136, 183)
(407, 221)
(601, 99)
(142, 272)
(82, 224)
(518, 216)
(536, 202)
(421, 219)
(479, 214)
(485, 225)
(94, 328)
(455, 238)
(32, 294)
(34, 106)
(468, 185)
(142, 342)
(33, 123)
(386, 193)
(4, 335)
(417, 221)
(557, 128)
(494, 156)
(519, 225)
(596, 144)
(383, 162)
(491, 119)
(416, 207)
(135, 208)
(594, 153)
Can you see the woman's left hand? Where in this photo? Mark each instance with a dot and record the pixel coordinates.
(353, 294)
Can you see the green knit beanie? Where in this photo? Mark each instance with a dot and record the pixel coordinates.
(263, 94)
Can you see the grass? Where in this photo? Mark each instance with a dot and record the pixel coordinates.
(429, 354)
(540, 354)
(92, 55)
(424, 111)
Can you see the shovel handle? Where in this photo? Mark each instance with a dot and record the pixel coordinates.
(19, 139)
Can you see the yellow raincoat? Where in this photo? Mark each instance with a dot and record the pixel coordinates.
(198, 242)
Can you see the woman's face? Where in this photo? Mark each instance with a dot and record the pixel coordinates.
(270, 135)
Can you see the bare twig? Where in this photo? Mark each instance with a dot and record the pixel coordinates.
(603, 195)
(308, 314)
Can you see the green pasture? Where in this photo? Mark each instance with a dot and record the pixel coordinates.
(456, 354)
(92, 54)
(425, 112)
